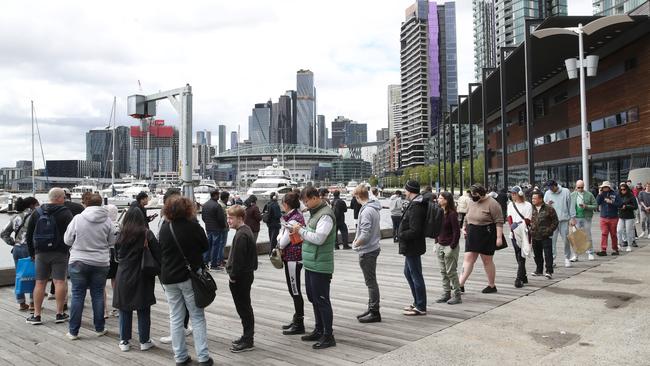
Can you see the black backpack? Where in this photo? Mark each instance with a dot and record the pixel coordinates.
(45, 232)
(433, 223)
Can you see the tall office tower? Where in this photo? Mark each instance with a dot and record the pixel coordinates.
(321, 132)
(204, 137)
(233, 140)
(382, 135)
(222, 138)
(154, 148)
(356, 133)
(339, 126)
(282, 121)
(306, 105)
(394, 108)
(259, 123)
(510, 17)
(616, 7)
(100, 148)
(428, 74)
(485, 36)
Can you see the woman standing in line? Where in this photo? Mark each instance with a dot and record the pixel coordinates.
(625, 227)
(292, 258)
(520, 213)
(134, 290)
(483, 227)
(447, 250)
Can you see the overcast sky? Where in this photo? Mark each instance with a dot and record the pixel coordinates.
(72, 57)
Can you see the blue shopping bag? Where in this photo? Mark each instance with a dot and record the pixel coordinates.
(25, 276)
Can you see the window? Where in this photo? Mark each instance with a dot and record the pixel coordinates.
(633, 115)
(562, 135)
(597, 125)
(621, 118)
(575, 131)
(610, 121)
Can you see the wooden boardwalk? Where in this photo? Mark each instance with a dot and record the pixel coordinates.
(23, 344)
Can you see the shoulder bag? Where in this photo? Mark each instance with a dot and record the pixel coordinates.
(149, 266)
(203, 284)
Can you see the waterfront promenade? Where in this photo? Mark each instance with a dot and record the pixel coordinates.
(601, 306)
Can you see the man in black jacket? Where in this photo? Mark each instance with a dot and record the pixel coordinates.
(242, 263)
(340, 208)
(273, 215)
(215, 223)
(412, 245)
(51, 259)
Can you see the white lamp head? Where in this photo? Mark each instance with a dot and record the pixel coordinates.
(592, 65)
(571, 67)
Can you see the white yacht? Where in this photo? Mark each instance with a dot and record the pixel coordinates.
(273, 178)
(86, 185)
(202, 191)
(130, 191)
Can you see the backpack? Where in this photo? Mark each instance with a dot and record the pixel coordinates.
(45, 232)
(433, 223)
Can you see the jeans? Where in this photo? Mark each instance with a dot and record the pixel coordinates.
(82, 278)
(211, 256)
(625, 231)
(144, 324)
(608, 227)
(343, 228)
(179, 297)
(318, 293)
(274, 230)
(585, 224)
(448, 262)
(292, 275)
(222, 245)
(20, 252)
(645, 220)
(241, 296)
(521, 261)
(396, 220)
(413, 274)
(368, 264)
(563, 231)
(543, 250)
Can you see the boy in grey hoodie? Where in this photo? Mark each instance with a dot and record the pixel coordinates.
(366, 243)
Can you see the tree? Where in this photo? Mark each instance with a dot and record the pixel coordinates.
(373, 181)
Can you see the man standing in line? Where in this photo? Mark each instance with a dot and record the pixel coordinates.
(559, 198)
(45, 242)
(463, 205)
(542, 226)
(223, 202)
(644, 210)
(319, 238)
(340, 208)
(583, 204)
(396, 206)
(214, 218)
(366, 243)
(412, 245)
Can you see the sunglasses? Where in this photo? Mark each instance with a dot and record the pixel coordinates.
(580, 187)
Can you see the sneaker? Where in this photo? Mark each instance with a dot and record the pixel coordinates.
(648, 236)
(615, 253)
(188, 361)
(519, 283)
(634, 244)
(209, 362)
(125, 346)
(23, 307)
(535, 274)
(242, 347)
(548, 275)
(34, 320)
(489, 290)
(188, 331)
(574, 258)
(238, 340)
(62, 318)
(147, 345)
(643, 234)
(602, 253)
(409, 308)
(591, 257)
(100, 333)
(628, 249)
(567, 263)
(71, 336)
(166, 340)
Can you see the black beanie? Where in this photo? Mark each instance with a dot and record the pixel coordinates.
(412, 186)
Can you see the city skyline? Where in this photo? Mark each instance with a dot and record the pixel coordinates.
(72, 96)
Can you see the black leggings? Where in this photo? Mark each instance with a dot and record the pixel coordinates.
(292, 275)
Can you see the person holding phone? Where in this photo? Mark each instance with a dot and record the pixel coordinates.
(583, 204)
(609, 202)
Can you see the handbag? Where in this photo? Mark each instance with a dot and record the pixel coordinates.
(25, 276)
(276, 258)
(504, 243)
(203, 284)
(579, 240)
(149, 266)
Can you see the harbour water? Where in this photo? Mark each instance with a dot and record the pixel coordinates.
(6, 259)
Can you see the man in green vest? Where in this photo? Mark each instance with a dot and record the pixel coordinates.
(319, 239)
(582, 207)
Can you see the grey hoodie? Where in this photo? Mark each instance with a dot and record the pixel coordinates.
(90, 235)
(368, 230)
(396, 205)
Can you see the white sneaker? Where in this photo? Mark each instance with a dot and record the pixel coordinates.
(72, 337)
(101, 333)
(166, 340)
(574, 258)
(567, 263)
(642, 234)
(648, 235)
(125, 346)
(629, 248)
(147, 346)
(591, 257)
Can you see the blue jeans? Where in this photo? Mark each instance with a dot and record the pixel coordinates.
(84, 277)
(20, 252)
(179, 296)
(211, 255)
(413, 274)
(144, 324)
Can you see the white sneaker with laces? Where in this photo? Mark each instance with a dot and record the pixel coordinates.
(591, 257)
(147, 346)
(567, 263)
(574, 258)
(125, 346)
(642, 234)
(166, 340)
(629, 248)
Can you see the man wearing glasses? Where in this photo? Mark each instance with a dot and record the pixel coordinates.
(583, 204)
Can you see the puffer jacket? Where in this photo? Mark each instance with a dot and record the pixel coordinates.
(411, 229)
(544, 222)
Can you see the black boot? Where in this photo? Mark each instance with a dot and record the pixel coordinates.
(297, 327)
(363, 314)
(313, 336)
(284, 327)
(346, 246)
(325, 342)
(372, 317)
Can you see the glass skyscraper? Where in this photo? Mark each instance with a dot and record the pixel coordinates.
(485, 37)
(306, 107)
(394, 108)
(259, 123)
(99, 147)
(615, 7)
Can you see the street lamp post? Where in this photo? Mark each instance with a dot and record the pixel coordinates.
(591, 63)
(460, 145)
(471, 133)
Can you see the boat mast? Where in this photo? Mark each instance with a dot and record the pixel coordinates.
(33, 159)
(113, 140)
(238, 157)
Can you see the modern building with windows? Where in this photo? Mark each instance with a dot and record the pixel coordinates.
(154, 148)
(485, 36)
(222, 138)
(510, 16)
(233, 140)
(73, 168)
(306, 107)
(100, 148)
(259, 123)
(321, 132)
(394, 108)
(428, 75)
(617, 7)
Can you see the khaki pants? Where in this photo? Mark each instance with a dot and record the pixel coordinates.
(448, 262)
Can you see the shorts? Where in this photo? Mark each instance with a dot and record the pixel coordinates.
(51, 264)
